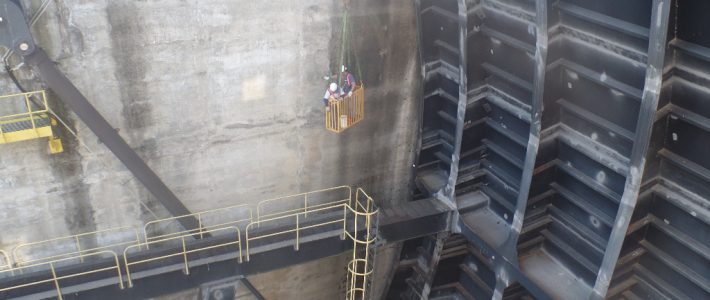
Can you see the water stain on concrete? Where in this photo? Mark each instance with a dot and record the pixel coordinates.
(129, 55)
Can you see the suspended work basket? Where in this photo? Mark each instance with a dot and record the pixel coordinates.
(342, 113)
(346, 111)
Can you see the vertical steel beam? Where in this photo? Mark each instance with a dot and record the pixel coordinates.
(649, 104)
(541, 9)
(450, 189)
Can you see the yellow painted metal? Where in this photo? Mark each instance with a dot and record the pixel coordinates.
(236, 215)
(265, 208)
(30, 116)
(296, 229)
(184, 251)
(356, 214)
(363, 236)
(27, 134)
(343, 113)
(5, 262)
(22, 252)
(55, 146)
(56, 279)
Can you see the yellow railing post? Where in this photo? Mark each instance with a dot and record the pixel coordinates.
(118, 271)
(44, 98)
(345, 222)
(305, 205)
(298, 225)
(7, 262)
(239, 244)
(184, 253)
(246, 236)
(78, 248)
(199, 224)
(29, 110)
(138, 238)
(56, 281)
(128, 269)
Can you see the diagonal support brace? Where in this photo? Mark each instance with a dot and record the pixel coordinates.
(15, 34)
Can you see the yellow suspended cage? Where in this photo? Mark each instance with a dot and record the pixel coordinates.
(344, 112)
(31, 123)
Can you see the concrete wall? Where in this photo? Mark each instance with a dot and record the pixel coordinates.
(221, 98)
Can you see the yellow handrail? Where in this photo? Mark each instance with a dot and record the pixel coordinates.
(184, 252)
(27, 114)
(4, 97)
(360, 211)
(298, 228)
(343, 113)
(6, 262)
(200, 216)
(30, 113)
(79, 251)
(18, 121)
(55, 279)
(306, 207)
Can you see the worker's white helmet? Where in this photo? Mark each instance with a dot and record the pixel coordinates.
(333, 87)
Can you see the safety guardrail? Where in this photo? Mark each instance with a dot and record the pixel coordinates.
(79, 252)
(298, 217)
(55, 278)
(5, 262)
(316, 201)
(31, 115)
(298, 213)
(342, 113)
(225, 216)
(184, 252)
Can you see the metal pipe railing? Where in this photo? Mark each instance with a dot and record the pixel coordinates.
(79, 251)
(249, 235)
(358, 212)
(5, 262)
(183, 253)
(260, 207)
(55, 279)
(230, 211)
(31, 114)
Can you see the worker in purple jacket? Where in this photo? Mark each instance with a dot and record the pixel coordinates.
(349, 82)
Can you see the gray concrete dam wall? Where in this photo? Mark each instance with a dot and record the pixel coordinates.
(222, 99)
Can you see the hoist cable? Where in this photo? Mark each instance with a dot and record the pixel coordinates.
(343, 49)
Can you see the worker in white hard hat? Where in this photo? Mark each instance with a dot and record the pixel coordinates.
(332, 92)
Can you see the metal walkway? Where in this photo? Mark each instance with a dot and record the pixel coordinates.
(283, 232)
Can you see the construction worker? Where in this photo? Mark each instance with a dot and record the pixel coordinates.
(332, 91)
(349, 82)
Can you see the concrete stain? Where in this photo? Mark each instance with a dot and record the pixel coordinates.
(130, 58)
